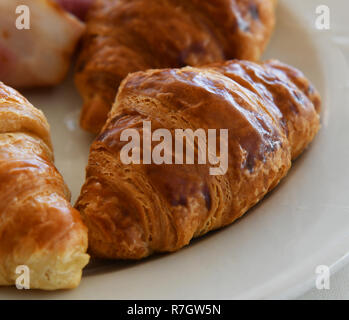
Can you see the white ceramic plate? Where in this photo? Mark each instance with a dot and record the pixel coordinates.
(273, 251)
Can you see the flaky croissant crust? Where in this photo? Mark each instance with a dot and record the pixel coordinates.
(125, 36)
(38, 226)
(272, 114)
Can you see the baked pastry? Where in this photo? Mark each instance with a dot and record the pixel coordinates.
(77, 7)
(125, 36)
(38, 226)
(41, 55)
(132, 210)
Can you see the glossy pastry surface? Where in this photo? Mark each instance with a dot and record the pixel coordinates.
(38, 226)
(272, 114)
(125, 36)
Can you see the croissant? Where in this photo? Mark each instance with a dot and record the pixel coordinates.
(77, 7)
(132, 210)
(38, 227)
(125, 36)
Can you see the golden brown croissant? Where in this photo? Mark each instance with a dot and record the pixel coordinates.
(125, 36)
(38, 226)
(133, 210)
